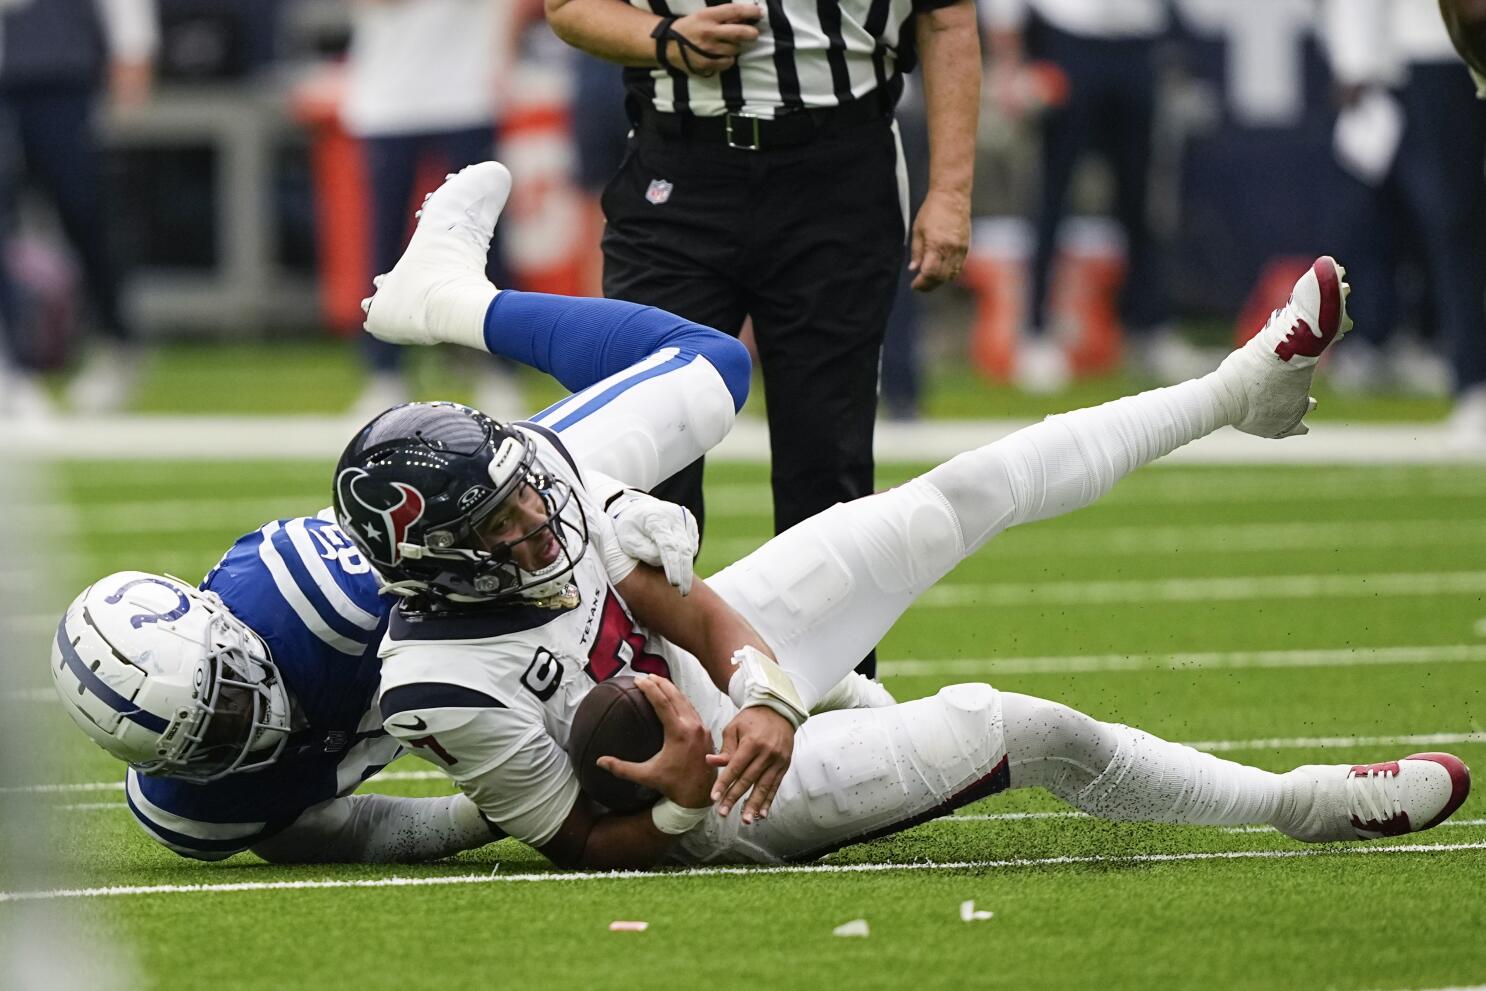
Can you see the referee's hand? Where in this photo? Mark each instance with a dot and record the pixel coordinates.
(940, 240)
(720, 32)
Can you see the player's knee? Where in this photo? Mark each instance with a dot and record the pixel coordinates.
(981, 490)
(960, 727)
(711, 410)
(908, 537)
(729, 356)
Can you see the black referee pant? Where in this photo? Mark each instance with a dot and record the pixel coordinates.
(808, 240)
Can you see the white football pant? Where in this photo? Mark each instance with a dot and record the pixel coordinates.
(824, 592)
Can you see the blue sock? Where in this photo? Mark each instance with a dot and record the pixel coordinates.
(579, 341)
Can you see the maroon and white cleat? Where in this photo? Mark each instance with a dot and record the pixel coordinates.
(1270, 376)
(1369, 801)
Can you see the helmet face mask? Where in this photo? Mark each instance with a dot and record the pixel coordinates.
(417, 486)
(167, 679)
(243, 723)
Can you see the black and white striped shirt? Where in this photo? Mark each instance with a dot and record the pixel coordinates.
(809, 53)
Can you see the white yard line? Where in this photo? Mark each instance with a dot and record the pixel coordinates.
(1288, 587)
(953, 817)
(1220, 660)
(696, 872)
(1266, 743)
(323, 437)
(1145, 541)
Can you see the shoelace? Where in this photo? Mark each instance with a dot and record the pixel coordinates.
(1374, 797)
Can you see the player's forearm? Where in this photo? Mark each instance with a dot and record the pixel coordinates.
(612, 30)
(608, 842)
(701, 623)
(380, 829)
(723, 633)
(949, 48)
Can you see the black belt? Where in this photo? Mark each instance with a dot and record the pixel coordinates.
(749, 133)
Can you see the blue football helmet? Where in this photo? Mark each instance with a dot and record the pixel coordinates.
(414, 486)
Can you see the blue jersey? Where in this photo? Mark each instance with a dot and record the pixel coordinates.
(656, 393)
(302, 586)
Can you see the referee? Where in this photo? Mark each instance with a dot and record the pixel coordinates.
(765, 179)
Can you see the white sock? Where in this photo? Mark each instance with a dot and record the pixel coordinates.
(1125, 774)
(1068, 461)
(1153, 780)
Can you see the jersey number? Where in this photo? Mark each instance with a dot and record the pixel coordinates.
(618, 643)
(336, 546)
(542, 675)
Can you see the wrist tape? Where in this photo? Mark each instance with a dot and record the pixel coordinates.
(760, 680)
(673, 819)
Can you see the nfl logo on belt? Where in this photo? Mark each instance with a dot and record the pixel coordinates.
(659, 191)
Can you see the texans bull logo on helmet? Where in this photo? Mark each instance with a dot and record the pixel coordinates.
(381, 511)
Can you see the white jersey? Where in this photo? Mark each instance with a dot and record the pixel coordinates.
(489, 695)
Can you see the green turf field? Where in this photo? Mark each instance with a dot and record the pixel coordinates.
(321, 375)
(1277, 615)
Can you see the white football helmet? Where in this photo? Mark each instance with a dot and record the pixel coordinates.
(164, 677)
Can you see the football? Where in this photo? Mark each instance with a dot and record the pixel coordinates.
(614, 719)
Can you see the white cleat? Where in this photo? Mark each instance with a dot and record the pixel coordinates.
(1270, 376)
(437, 293)
(1369, 801)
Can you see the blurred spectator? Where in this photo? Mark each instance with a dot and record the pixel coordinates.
(1411, 143)
(902, 378)
(1107, 51)
(423, 82)
(54, 54)
(1252, 120)
(600, 135)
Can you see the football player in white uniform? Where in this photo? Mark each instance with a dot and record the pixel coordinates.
(519, 600)
(246, 708)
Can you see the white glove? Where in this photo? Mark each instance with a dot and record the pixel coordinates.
(658, 533)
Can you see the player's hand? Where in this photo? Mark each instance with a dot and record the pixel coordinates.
(941, 239)
(659, 533)
(680, 770)
(756, 750)
(721, 32)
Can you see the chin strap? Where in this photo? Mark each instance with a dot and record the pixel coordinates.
(665, 31)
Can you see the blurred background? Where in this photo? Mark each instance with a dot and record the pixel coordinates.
(194, 195)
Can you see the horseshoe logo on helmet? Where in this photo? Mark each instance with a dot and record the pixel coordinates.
(384, 527)
(182, 607)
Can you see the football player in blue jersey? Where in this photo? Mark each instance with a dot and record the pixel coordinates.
(520, 598)
(246, 707)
